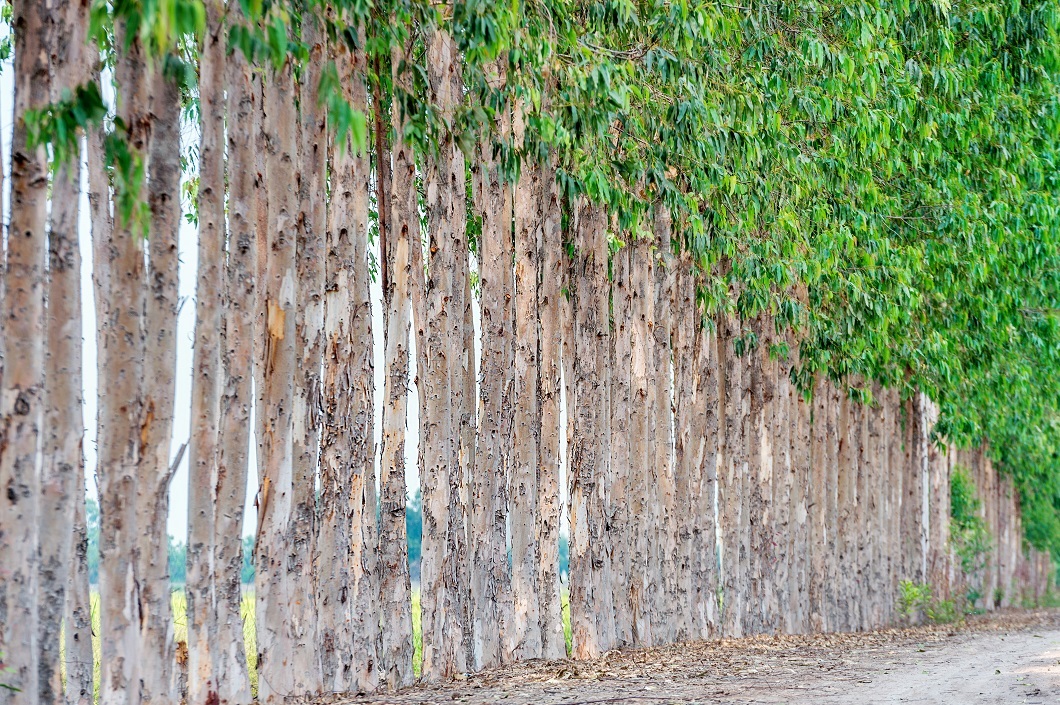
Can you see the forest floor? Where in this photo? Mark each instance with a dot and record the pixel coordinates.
(1008, 657)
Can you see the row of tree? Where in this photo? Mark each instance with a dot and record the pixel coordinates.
(712, 252)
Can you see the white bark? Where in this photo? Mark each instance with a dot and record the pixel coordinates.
(275, 642)
(22, 343)
(208, 374)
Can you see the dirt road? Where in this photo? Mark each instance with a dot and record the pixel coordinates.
(1007, 658)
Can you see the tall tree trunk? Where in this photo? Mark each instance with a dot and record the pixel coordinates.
(230, 661)
(490, 574)
(78, 618)
(641, 452)
(619, 520)
(275, 641)
(729, 472)
(686, 433)
(208, 373)
(785, 431)
(349, 636)
(403, 234)
(845, 502)
(704, 463)
(553, 329)
(309, 350)
(592, 616)
(440, 314)
(160, 357)
(62, 462)
(22, 332)
(524, 630)
(665, 567)
(802, 540)
(122, 409)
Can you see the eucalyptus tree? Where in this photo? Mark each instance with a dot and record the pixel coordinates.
(23, 357)
(62, 469)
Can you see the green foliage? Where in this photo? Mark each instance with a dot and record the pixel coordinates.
(968, 532)
(59, 124)
(917, 602)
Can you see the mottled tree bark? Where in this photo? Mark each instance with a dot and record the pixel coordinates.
(730, 489)
(816, 506)
(346, 542)
(208, 373)
(275, 641)
(309, 349)
(620, 518)
(491, 600)
(687, 433)
(157, 681)
(241, 299)
(78, 620)
(441, 310)
(62, 461)
(122, 410)
(524, 632)
(22, 332)
(705, 457)
(642, 486)
(665, 567)
(592, 616)
(403, 234)
(553, 330)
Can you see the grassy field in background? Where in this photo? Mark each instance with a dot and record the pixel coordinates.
(180, 631)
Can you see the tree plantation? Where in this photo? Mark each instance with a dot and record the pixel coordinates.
(754, 306)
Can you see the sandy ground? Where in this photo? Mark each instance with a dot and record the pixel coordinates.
(1012, 657)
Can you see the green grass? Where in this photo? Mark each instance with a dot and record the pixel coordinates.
(180, 631)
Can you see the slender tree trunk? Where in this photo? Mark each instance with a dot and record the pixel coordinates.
(704, 464)
(759, 457)
(349, 637)
(729, 474)
(440, 313)
(403, 234)
(592, 616)
(122, 410)
(816, 506)
(550, 307)
(78, 619)
(157, 682)
(802, 537)
(22, 318)
(208, 374)
(665, 566)
(782, 526)
(230, 661)
(490, 574)
(619, 519)
(642, 454)
(275, 641)
(524, 630)
(62, 461)
(309, 350)
(686, 434)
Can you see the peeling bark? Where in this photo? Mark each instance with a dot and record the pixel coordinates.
(241, 299)
(208, 373)
(62, 461)
(157, 680)
(553, 331)
(275, 641)
(402, 234)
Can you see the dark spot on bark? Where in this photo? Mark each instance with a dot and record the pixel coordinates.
(12, 496)
(22, 404)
